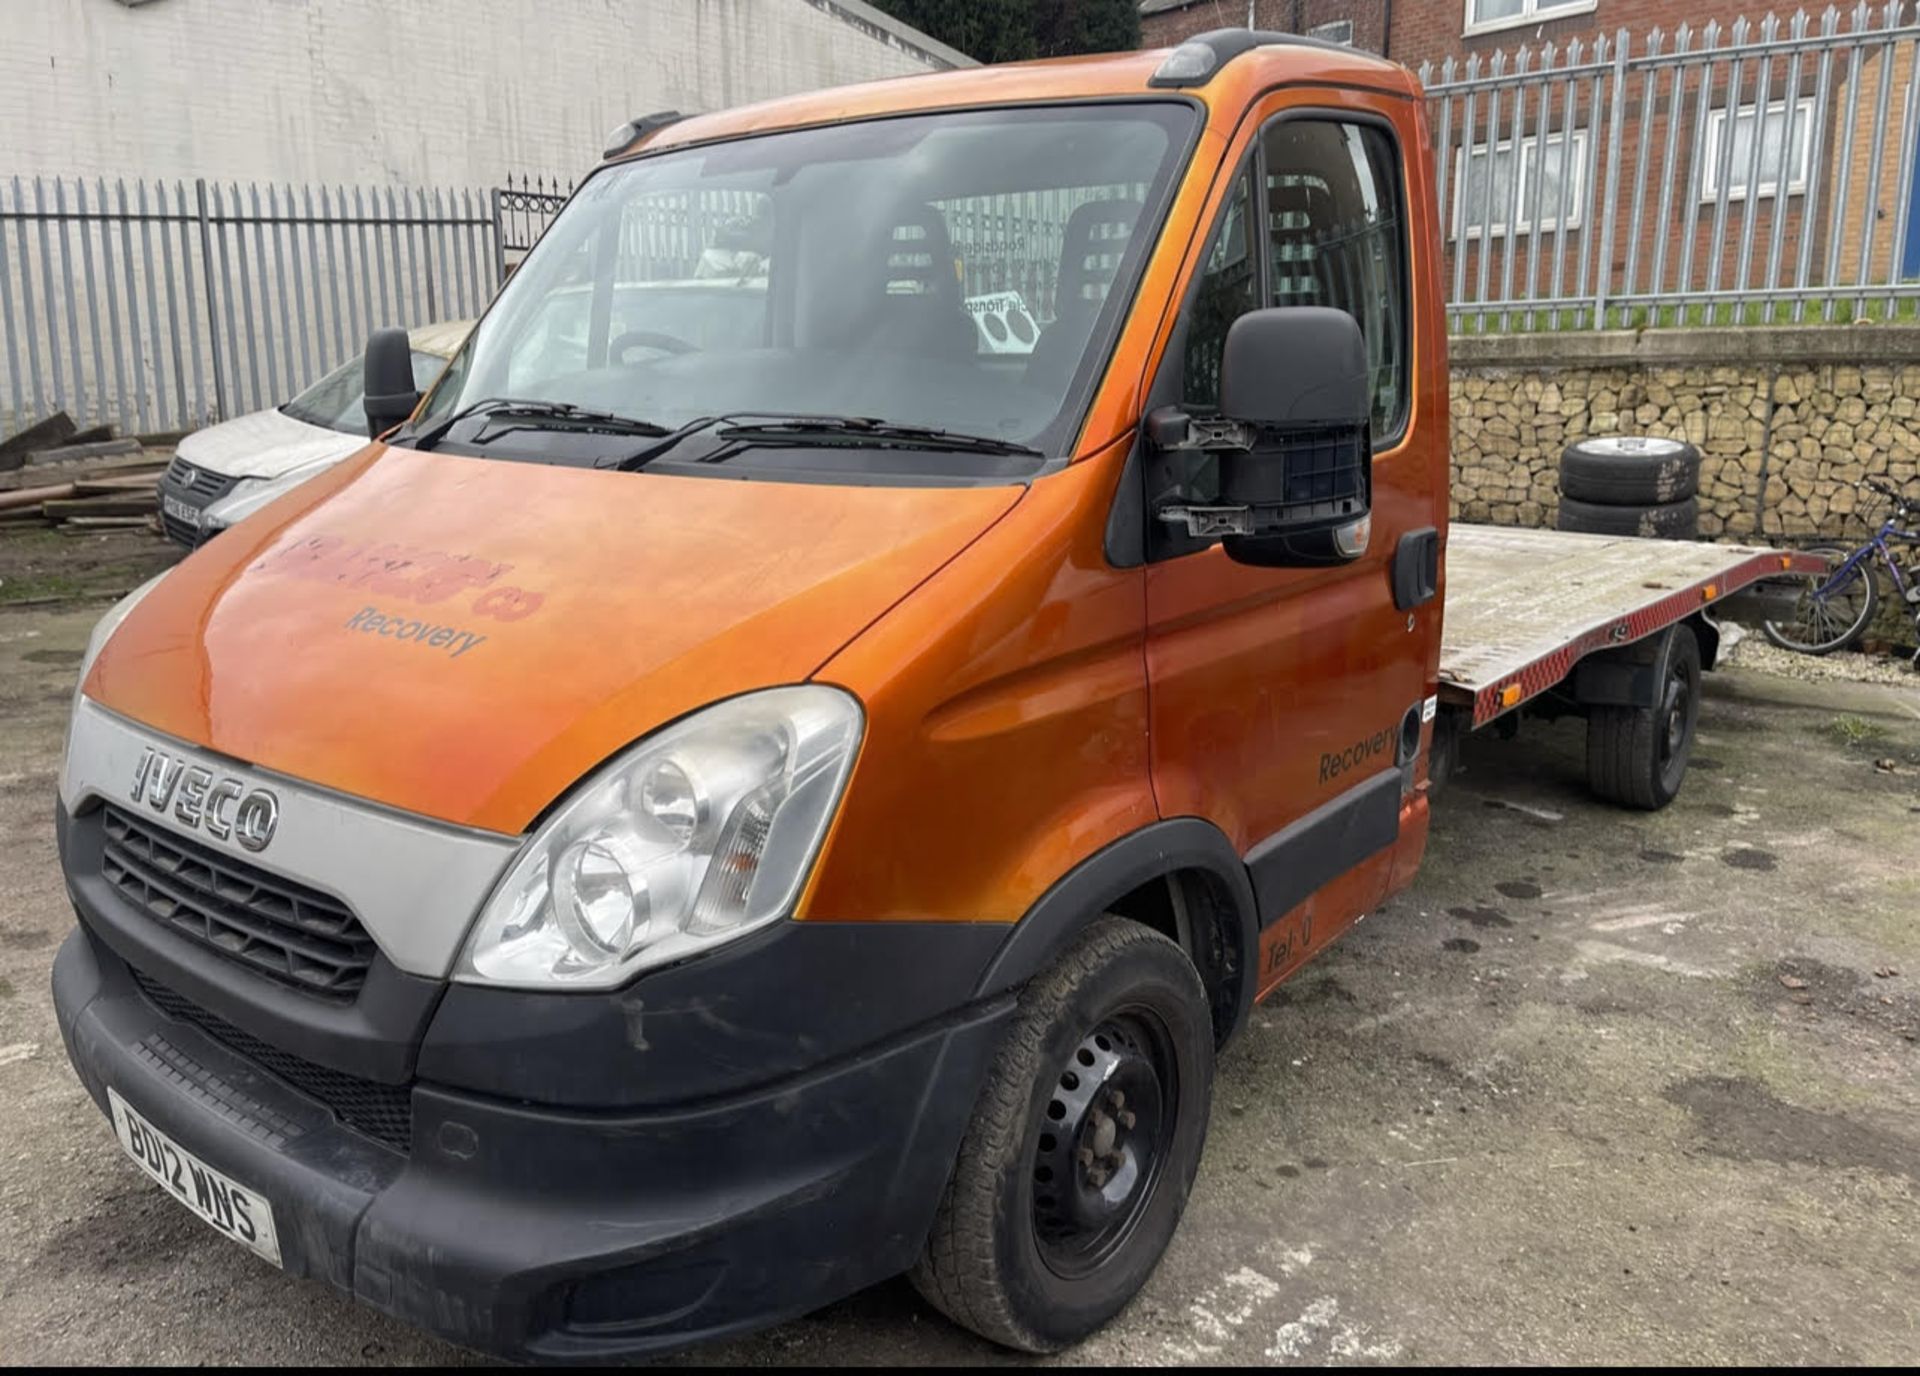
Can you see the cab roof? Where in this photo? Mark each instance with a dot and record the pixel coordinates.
(1249, 62)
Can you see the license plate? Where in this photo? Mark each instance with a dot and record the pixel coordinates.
(180, 511)
(228, 1206)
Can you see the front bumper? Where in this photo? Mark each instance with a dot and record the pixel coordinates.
(562, 1233)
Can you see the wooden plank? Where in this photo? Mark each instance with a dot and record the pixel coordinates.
(66, 509)
(55, 429)
(84, 451)
(34, 496)
(106, 487)
(42, 474)
(80, 525)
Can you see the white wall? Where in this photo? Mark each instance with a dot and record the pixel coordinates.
(446, 92)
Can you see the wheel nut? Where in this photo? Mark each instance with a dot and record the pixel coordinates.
(1118, 1099)
(1126, 1119)
(1097, 1177)
(1084, 1156)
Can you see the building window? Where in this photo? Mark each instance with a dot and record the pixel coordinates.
(1547, 183)
(1333, 31)
(1486, 15)
(1773, 136)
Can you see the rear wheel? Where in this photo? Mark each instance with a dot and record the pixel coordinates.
(1637, 756)
(1830, 612)
(1073, 1176)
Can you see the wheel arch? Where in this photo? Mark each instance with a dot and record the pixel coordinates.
(1180, 876)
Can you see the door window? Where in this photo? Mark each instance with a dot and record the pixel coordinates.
(1336, 237)
(1229, 287)
(1332, 221)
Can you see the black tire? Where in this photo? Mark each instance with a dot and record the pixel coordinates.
(1668, 521)
(1829, 623)
(1637, 756)
(1001, 1258)
(1630, 470)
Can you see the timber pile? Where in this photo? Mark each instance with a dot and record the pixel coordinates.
(78, 481)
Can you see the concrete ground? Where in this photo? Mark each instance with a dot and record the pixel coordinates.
(1603, 1087)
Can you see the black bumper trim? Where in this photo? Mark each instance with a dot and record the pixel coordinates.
(566, 1234)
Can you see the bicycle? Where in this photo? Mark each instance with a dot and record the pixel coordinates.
(1833, 609)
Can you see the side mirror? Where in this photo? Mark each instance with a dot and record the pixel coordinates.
(1295, 453)
(390, 393)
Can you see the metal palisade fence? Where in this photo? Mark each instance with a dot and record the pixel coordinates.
(1756, 173)
(161, 306)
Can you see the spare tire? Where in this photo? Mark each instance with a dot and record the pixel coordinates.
(1661, 521)
(1630, 470)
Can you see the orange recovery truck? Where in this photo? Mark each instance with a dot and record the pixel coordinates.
(915, 607)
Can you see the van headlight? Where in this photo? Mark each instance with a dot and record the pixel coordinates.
(250, 494)
(699, 834)
(103, 630)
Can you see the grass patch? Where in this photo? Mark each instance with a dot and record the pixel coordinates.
(1850, 730)
(30, 587)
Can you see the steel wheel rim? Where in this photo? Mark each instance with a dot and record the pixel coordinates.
(1676, 709)
(1106, 1131)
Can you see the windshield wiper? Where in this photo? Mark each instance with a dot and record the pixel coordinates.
(869, 430)
(533, 414)
(800, 430)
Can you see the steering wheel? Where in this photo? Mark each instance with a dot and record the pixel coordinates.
(649, 339)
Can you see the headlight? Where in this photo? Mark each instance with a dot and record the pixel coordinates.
(108, 623)
(250, 494)
(103, 630)
(699, 834)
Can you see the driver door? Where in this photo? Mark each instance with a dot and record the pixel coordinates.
(1279, 695)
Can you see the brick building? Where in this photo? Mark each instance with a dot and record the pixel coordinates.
(1843, 140)
(1363, 23)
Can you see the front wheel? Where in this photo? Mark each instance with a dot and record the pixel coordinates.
(1073, 1176)
(1833, 608)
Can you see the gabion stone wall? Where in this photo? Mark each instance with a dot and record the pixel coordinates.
(1785, 419)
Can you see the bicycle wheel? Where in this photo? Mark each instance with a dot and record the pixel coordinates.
(1831, 611)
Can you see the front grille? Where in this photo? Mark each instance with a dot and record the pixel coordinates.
(382, 1112)
(274, 927)
(196, 487)
(180, 532)
(204, 483)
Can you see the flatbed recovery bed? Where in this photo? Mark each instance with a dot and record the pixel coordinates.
(1524, 607)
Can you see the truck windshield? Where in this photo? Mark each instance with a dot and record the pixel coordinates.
(961, 271)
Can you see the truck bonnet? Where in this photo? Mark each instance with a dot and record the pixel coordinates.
(466, 640)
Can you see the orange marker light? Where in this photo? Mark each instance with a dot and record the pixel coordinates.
(1707, 593)
(1510, 695)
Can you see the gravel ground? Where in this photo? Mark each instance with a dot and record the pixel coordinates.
(1602, 1087)
(1844, 666)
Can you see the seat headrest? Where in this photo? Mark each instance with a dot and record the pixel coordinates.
(1092, 243)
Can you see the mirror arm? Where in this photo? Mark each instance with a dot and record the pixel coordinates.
(1208, 522)
(1170, 428)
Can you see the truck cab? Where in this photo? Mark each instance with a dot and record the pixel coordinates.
(728, 807)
